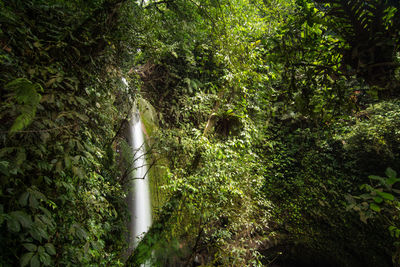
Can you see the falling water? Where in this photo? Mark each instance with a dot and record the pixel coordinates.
(139, 193)
(139, 199)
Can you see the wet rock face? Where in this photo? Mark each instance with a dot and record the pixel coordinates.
(149, 117)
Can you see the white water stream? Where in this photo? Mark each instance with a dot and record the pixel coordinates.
(139, 193)
(139, 197)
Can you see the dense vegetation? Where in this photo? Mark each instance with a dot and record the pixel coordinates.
(273, 130)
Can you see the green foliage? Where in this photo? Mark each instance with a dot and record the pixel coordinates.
(326, 64)
(372, 140)
(380, 201)
(26, 94)
(61, 200)
(306, 178)
(270, 112)
(218, 196)
(308, 172)
(369, 29)
(266, 96)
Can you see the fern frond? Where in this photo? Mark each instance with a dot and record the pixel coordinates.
(27, 96)
(370, 28)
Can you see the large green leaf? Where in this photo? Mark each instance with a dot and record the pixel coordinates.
(385, 195)
(378, 178)
(26, 94)
(30, 246)
(390, 173)
(35, 261)
(50, 249)
(378, 199)
(4, 167)
(13, 225)
(45, 258)
(23, 218)
(374, 207)
(25, 259)
(23, 199)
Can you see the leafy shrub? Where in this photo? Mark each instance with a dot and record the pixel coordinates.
(307, 174)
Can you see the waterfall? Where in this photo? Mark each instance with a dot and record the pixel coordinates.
(138, 187)
(139, 196)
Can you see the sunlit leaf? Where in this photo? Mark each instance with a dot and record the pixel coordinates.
(385, 195)
(374, 207)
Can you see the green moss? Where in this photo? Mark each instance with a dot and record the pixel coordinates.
(149, 117)
(158, 172)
